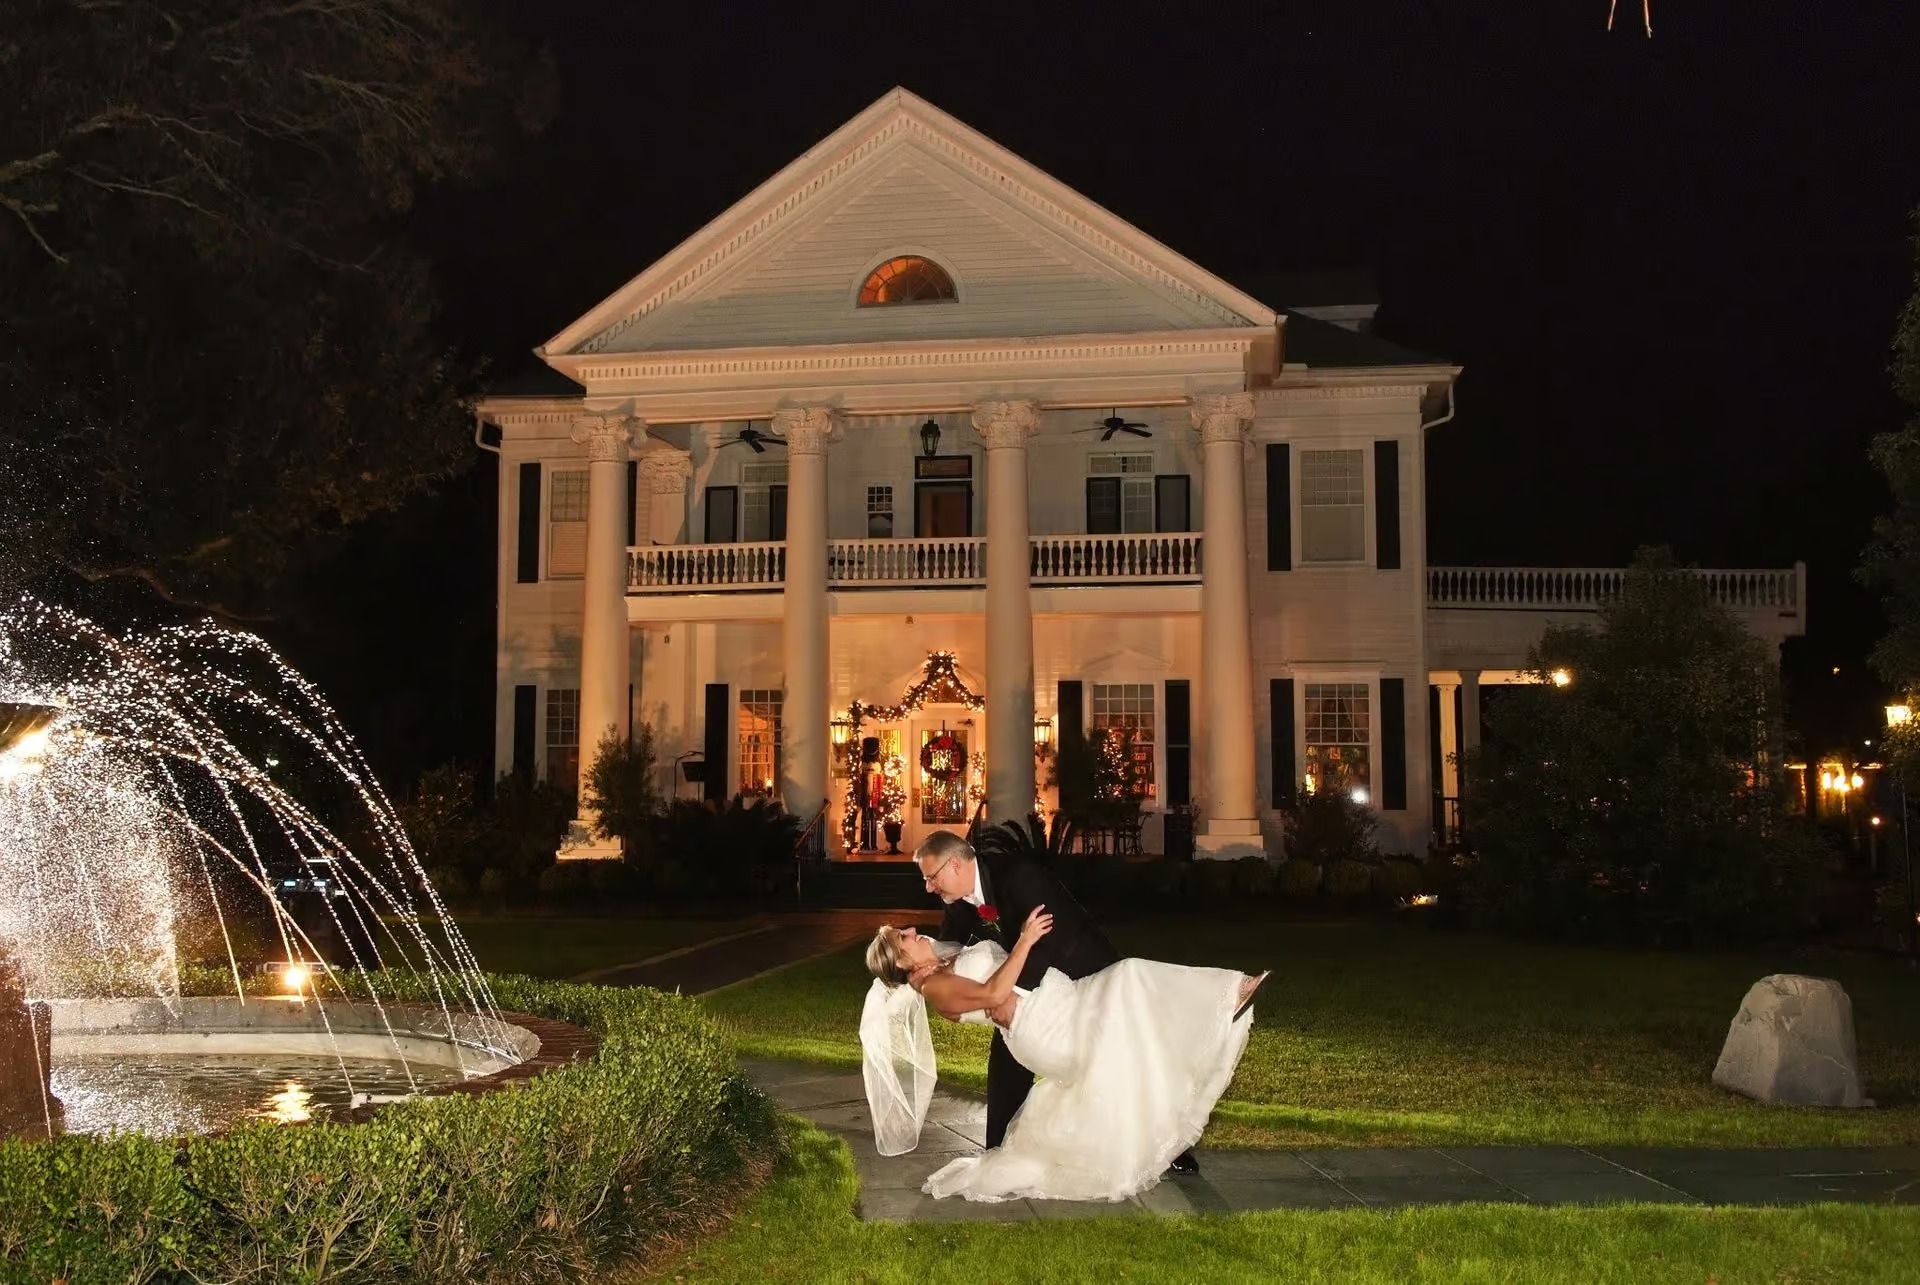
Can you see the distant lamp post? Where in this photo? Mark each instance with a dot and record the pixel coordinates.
(929, 439)
(1562, 677)
(1898, 716)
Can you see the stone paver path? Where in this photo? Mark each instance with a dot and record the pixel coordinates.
(1333, 1178)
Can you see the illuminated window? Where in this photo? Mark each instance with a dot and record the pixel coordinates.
(1128, 708)
(879, 513)
(759, 741)
(1339, 735)
(907, 279)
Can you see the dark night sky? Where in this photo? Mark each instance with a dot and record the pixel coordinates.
(1670, 267)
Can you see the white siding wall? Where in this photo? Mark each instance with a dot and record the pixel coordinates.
(1015, 275)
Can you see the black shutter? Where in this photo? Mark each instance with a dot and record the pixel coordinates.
(1280, 721)
(529, 537)
(1070, 714)
(633, 511)
(523, 748)
(776, 513)
(1172, 503)
(1179, 742)
(1393, 744)
(1279, 508)
(716, 756)
(1386, 505)
(1103, 506)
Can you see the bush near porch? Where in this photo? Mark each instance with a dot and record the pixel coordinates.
(1635, 792)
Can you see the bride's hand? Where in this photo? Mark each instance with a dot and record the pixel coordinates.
(1038, 925)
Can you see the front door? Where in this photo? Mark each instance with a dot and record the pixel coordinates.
(943, 510)
(935, 802)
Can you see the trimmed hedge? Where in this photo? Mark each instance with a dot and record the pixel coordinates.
(541, 1182)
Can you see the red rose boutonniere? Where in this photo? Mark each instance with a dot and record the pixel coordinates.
(989, 914)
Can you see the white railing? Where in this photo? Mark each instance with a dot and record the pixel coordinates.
(900, 564)
(1585, 588)
(1104, 559)
(705, 568)
(873, 563)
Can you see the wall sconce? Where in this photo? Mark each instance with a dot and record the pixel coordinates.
(1042, 735)
(842, 732)
(929, 439)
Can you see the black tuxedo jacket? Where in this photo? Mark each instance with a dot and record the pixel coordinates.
(1013, 886)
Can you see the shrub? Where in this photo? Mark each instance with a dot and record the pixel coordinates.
(441, 819)
(1329, 826)
(742, 849)
(545, 1182)
(1209, 881)
(1397, 878)
(521, 829)
(1254, 877)
(567, 881)
(1299, 877)
(1642, 801)
(497, 884)
(1349, 879)
(622, 788)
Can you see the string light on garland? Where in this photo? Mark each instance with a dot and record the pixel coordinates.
(1646, 15)
(939, 684)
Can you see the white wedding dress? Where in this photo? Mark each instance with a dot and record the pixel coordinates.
(1129, 1063)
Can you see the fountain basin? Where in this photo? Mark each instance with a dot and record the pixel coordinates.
(203, 1064)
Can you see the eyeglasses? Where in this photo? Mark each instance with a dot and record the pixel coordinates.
(928, 879)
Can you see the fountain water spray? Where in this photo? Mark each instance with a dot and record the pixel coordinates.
(189, 772)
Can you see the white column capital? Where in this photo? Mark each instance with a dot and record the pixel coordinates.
(666, 473)
(607, 437)
(1222, 417)
(807, 429)
(1006, 424)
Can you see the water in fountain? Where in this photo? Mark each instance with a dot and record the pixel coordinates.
(187, 782)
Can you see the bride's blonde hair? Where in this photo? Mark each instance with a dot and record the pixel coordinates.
(883, 956)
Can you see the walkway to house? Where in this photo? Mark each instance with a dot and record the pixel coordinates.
(764, 946)
(1332, 1178)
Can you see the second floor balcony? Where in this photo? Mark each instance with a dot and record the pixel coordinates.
(953, 562)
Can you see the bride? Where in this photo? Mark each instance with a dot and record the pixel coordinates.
(1130, 1061)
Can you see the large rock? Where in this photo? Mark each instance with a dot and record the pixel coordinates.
(1792, 1042)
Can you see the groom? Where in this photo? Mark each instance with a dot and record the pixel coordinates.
(988, 900)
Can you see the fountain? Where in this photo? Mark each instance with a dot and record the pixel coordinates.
(185, 790)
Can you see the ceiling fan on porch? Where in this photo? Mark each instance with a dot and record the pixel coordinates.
(759, 441)
(1116, 423)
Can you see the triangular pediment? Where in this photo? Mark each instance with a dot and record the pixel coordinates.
(1029, 256)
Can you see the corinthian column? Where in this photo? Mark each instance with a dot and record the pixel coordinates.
(603, 628)
(1226, 680)
(803, 719)
(1005, 427)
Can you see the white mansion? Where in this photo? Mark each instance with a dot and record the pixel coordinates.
(917, 450)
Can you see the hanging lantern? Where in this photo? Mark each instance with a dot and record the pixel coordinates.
(929, 439)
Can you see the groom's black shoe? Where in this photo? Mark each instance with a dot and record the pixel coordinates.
(1184, 1165)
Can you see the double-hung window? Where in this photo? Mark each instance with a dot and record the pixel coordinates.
(763, 502)
(879, 513)
(1119, 493)
(1339, 737)
(1125, 711)
(760, 740)
(567, 524)
(563, 737)
(1333, 506)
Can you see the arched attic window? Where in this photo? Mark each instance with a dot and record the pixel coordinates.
(907, 279)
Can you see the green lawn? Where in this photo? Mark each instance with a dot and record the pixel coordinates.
(1379, 1033)
(801, 1228)
(566, 946)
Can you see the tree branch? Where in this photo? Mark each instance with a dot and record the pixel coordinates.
(151, 578)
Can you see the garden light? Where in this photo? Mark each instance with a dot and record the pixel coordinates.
(1899, 714)
(1562, 678)
(294, 978)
